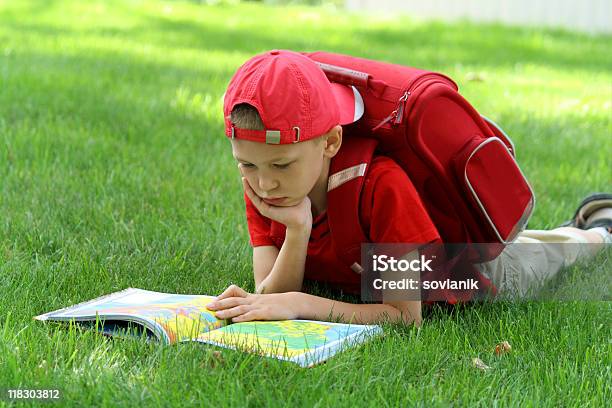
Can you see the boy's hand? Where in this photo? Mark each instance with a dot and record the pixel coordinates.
(296, 216)
(237, 304)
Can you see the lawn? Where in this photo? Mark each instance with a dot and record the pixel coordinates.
(115, 173)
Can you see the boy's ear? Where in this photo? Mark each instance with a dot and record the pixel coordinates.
(333, 141)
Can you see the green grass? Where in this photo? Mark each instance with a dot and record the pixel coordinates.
(114, 172)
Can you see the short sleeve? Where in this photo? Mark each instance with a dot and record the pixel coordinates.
(259, 226)
(392, 207)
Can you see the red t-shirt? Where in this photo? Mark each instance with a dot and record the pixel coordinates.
(390, 212)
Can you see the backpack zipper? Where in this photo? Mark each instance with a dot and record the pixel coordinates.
(400, 108)
(396, 115)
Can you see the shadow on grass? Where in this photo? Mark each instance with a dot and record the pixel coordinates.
(435, 43)
(419, 44)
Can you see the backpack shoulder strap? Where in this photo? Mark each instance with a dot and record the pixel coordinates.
(347, 175)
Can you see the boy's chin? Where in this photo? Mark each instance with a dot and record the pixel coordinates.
(287, 203)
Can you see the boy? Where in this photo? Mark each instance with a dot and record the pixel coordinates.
(285, 121)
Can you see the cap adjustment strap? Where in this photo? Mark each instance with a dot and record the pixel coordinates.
(292, 135)
(273, 136)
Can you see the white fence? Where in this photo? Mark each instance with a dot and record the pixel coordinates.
(593, 16)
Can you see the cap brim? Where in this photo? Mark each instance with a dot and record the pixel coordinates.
(349, 102)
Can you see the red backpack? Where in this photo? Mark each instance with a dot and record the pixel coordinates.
(461, 164)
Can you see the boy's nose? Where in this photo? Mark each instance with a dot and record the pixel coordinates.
(266, 184)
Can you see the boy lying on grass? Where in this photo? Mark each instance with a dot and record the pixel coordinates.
(284, 119)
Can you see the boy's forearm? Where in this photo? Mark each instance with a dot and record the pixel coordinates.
(287, 274)
(318, 308)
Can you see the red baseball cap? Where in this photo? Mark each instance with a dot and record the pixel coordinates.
(294, 98)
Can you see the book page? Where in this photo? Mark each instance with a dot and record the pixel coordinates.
(305, 342)
(172, 317)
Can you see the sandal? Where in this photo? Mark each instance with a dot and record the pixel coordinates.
(583, 217)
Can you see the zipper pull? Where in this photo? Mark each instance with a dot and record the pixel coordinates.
(400, 108)
(385, 121)
(397, 115)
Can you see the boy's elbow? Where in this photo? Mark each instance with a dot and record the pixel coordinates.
(409, 319)
(409, 312)
(260, 288)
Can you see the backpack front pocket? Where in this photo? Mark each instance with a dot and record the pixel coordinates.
(491, 179)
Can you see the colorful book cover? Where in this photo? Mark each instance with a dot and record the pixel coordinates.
(173, 318)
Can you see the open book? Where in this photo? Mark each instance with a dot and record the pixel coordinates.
(173, 318)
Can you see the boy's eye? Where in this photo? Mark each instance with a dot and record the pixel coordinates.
(281, 166)
(248, 165)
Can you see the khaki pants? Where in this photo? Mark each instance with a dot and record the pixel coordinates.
(532, 259)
